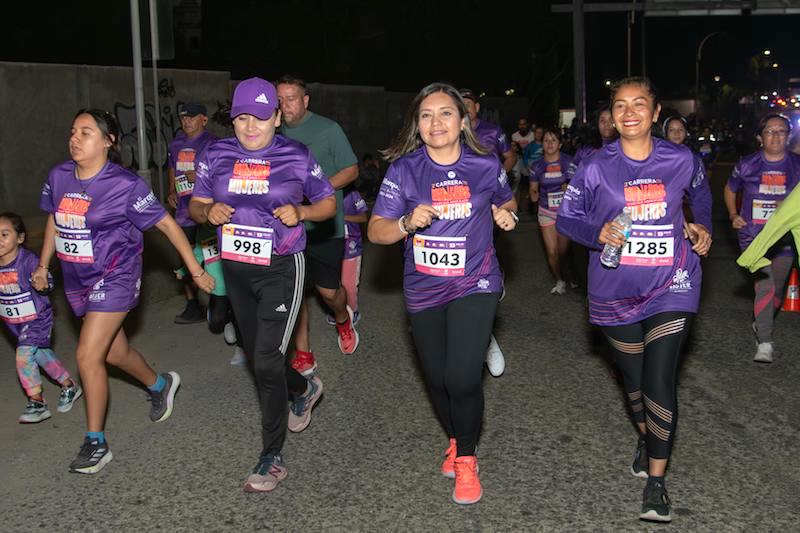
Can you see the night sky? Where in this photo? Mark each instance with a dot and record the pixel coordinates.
(402, 46)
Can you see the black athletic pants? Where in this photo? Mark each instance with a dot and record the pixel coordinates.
(266, 300)
(648, 354)
(451, 342)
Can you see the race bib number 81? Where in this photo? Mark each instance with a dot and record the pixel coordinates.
(17, 309)
(440, 256)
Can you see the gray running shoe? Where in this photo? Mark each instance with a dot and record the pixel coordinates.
(34, 412)
(300, 411)
(161, 402)
(655, 503)
(93, 456)
(68, 397)
(269, 471)
(639, 465)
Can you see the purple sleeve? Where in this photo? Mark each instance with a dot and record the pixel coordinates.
(503, 144)
(536, 171)
(354, 204)
(143, 208)
(735, 181)
(502, 192)
(391, 202)
(203, 182)
(316, 186)
(46, 200)
(699, 193)
(574, 219)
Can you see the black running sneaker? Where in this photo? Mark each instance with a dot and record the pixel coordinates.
(192, 314)
(655, 503)
(639, 465)
(93, 456)
(161, 402)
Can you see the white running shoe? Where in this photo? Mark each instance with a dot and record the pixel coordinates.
(764, 353)
(238, 359)
(229, 333)
(494, 359)
(560, 288)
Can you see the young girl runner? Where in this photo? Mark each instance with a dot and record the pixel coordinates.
(29, 317)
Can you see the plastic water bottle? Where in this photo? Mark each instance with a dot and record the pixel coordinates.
(612, 254)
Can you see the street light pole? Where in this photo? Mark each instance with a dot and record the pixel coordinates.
(697, 71)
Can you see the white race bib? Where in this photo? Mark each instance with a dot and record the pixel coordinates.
(554, 200)
(210, 248)
(183, 186)
(247, 244)
(763, 209)
(18, 308)
(74, 245)
(649, 246)
(440, 256)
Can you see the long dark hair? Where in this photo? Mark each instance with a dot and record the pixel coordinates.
(408, 138)
(109, 127)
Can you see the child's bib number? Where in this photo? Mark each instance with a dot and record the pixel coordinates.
(17, 309)
(554, 199)
(183, 186)
(210, 249)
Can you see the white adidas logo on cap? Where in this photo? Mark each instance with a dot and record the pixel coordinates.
(262, 99)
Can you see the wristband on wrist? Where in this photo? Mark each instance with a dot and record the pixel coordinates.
(514, 216)
(44, 267)
(401, 224)
(200, 275)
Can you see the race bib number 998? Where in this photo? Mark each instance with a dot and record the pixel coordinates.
(247, 244)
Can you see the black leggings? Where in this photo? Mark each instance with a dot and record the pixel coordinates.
(648, 354)
(266, 301)
(451, 342)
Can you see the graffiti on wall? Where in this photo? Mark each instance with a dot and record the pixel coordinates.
(170, 126)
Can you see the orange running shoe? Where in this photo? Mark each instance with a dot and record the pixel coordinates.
(348, 336)
(468, 486)
(448, 465)
(304, 363)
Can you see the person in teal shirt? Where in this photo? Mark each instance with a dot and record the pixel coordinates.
(325, 240)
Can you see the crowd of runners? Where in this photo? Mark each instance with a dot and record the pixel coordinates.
(269, 218)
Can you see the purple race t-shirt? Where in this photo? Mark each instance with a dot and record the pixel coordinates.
(183, 153)
(354, 204)
(659, 271)
(257, 182)
(492, 137)
(26, 313)
(99, 224)
(454, 256)
(764, 185)
(551, 176)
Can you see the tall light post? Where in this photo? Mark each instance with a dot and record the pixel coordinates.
(697, 70)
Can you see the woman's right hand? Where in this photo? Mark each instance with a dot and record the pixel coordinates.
(421, 217)
(220, 213)
(39, 279)
(612, 233)
(206, 282)
(737, 222)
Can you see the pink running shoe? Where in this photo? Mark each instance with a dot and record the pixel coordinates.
(468, 488)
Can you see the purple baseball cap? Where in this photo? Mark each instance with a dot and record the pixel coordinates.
(255, 97)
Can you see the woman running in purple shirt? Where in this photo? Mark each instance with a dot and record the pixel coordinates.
(98, 213)
(442, 195)
(645, 305)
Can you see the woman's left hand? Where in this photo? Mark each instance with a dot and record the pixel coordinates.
(699, 236)
(503, 218)
(288, 214)
(206, 282)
